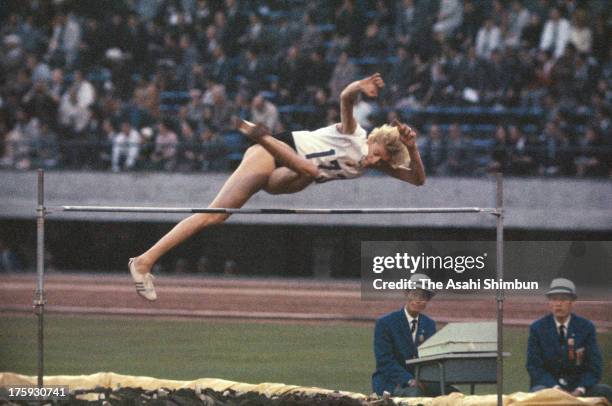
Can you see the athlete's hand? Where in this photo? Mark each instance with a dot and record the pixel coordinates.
(370, 85)
(407, 134)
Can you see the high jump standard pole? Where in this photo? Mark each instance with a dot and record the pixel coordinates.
(39, 296)
(499, 251)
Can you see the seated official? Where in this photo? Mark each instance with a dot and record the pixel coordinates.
(396, 338)
(562, 350)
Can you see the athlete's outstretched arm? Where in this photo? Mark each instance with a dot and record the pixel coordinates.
(415, 172)
(369, 86)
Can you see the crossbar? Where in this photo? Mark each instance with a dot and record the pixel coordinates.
(127, 209)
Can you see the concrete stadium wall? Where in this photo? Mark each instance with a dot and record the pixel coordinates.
(531, 204)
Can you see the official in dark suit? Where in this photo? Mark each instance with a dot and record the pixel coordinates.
(562, 351)
(396, 338)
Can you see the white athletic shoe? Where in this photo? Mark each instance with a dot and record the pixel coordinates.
(143, 282)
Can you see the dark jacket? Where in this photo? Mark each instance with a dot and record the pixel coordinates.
(393, 346)
(548, 361)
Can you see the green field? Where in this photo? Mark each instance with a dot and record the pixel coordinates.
(334, 357)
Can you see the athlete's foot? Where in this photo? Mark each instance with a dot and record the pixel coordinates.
(143, 280)
(252, 130)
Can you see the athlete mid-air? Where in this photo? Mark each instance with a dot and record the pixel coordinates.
(290, 161)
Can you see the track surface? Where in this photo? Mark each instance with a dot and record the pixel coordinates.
(283, 300)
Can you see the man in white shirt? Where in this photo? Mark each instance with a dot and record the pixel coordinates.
(556, 33)
(126, 147)
(487, 39)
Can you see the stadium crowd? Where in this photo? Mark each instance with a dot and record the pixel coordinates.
(518, 86)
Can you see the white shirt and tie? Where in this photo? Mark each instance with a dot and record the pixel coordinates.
(562, 329)
(413, 322)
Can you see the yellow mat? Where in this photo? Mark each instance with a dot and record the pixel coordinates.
(113, 380)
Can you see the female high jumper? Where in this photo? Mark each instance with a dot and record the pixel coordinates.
(290, 161)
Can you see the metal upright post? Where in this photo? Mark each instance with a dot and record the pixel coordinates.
(500, 292)
(39, 297)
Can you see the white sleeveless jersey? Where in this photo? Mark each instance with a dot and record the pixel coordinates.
(336, 155)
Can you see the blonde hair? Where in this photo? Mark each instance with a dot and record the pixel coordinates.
(389, 137)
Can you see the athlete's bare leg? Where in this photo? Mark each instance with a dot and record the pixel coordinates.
(284, 181)
(251, 176)
(278, 149)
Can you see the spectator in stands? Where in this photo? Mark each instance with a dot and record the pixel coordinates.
(562, 75)
(125, 148)
(406, 22)
(220, 107)
(450, 16)
(264, 112)
(221, 68)
(558, 158)
(419, 83)
(580, 34)
(57, 86)
(86, 93)
(434, 151)
(344, 73)
(241, 106)
(374, 44)
(236, 23)
(166, 147)
(195, 108)
(500, 153)
(41, 72)
(65, 40)
(252, 70)
(19, 141)
(189, 148)
(488, 38)
(211, 155)
(472, 79)
(591, 160)
(556, 33)
(73, 116)
(40, 103)
(311, 38)
(498, 81)
(400, 74)
(13, 56)
(518, 18)
(254, 37)
(532, 32)
(458, 157)
(316, 73)
(45, 148)
(73, 119)
(290, 67)
(320, 104)
(521, 159)
(601, 37)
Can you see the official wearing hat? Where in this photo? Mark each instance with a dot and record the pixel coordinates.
(562, 350)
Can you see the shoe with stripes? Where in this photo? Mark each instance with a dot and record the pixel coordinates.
(143, 282)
